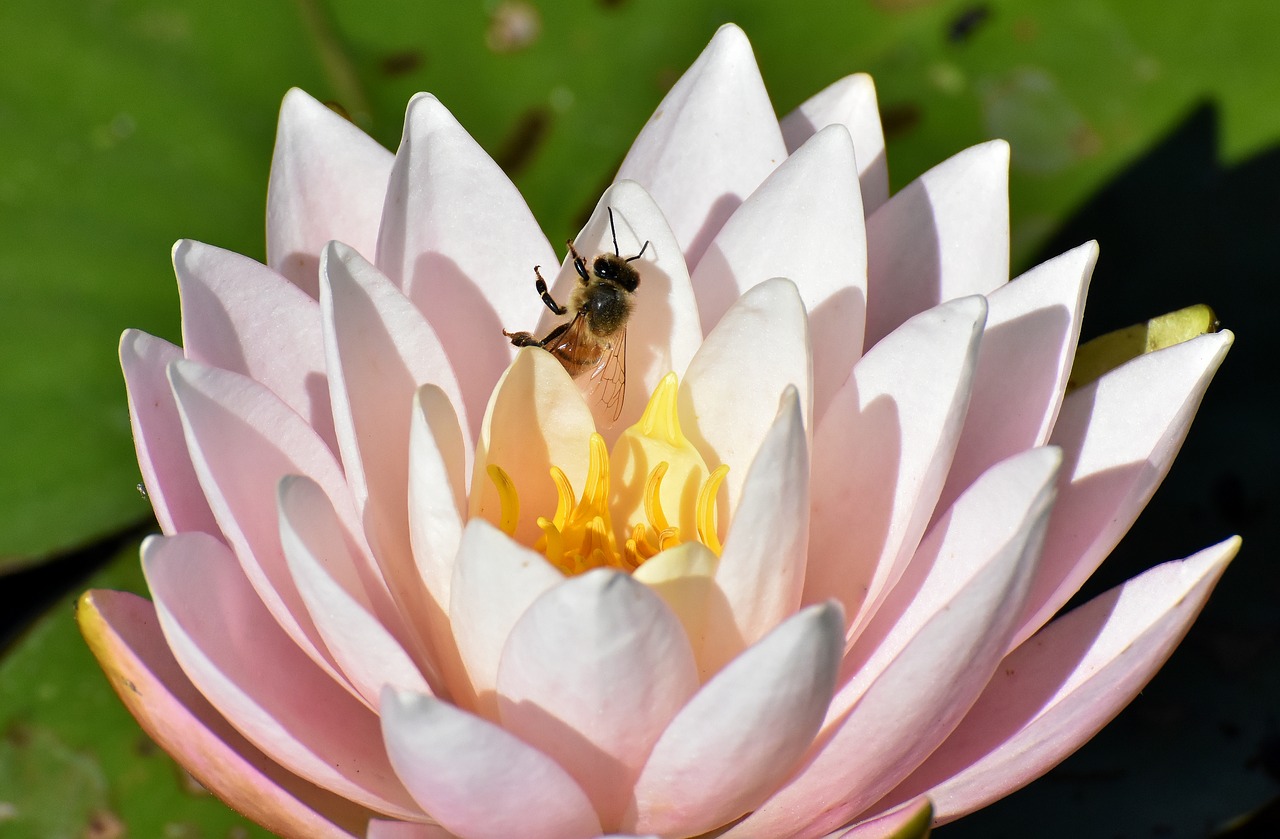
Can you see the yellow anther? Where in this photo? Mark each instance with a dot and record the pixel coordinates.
(668, 538)
(507, 496)
(652, 498)
(707, 530)
(565, 502)
(553, 543)
(596, 493)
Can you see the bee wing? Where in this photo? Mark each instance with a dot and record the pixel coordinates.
(609, 377)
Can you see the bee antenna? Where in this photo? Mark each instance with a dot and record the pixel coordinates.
(637, 256)
(614, 231)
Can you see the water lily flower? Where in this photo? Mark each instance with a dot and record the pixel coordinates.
(416, 582)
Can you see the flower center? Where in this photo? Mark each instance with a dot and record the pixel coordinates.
(651, 493)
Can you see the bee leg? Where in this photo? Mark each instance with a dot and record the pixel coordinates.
(522, 339)
(579, 264)
(541, 286)
(554, 334)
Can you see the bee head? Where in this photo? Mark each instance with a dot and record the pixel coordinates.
(615, 269)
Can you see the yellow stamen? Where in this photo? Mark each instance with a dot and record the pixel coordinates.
(654, 484)
(707, 532)
(507, 496)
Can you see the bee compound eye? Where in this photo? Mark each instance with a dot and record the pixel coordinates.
(604, 269)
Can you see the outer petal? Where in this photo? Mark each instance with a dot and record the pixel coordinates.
(850, 102)
(1058, 689)
(240, 315)
(253, 674)
(881, 453)
(929, 652)
(911, 820)
(458, 238)
(709, 144)
(477, 780)
(1120, 435)
(761, 571)
(742, 733)
(592, 674)
(380, 350)
(124, 635)
(494, 581)
(328, 181)
(945, 235)
(803, 223)
(370, 656)
(437, 504)
(663, 332)
(172, 486)
(727, 414)
(243, 440)
(379, 829)
(536, 419)
(1027, 347)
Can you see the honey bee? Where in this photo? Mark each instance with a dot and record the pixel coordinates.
(593, 343)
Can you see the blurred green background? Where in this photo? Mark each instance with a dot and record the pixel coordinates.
(127, 124)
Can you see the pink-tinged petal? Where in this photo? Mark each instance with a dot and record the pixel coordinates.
(369, 655)
(123, 633)
(328, 181)
(458, 238)
(1027, 348)
(477, 780)
(935, 652)
(592, 674)
(437, 504)
(494, 582)
(242, 441)
(379, 829)
(537, 419)
(945, 235)
(1062, 686)
(803, 223)
(663, 332)
(1120, 435)
(380, 350)
(239, 315)
(850, 102)
(727, 413)
(170, 479)
(235, 654)
(910, 820)
(710, 143)
(881, 453)
(744, 731)
(761, 571)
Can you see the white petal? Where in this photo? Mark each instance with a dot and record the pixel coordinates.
(477, 780)
(729, 396)
(761, 571)
(850, 102)
(592, 674)
(328, 181)
(494, 581)
(458, 238)
(881, 452)
(945, 235)
(742, 733)
(803, 223)
(709, 144)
